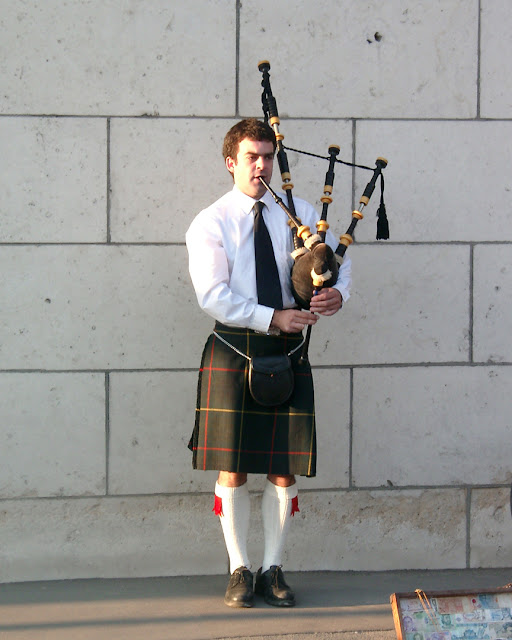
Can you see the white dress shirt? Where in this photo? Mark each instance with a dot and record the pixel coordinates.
(221, 258)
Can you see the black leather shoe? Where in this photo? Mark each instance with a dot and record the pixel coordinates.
(240, 591)
(272, 586)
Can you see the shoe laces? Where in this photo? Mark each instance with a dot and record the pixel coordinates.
(241, 575)
(277, 577)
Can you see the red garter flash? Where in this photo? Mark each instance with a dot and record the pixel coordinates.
(217, 507)
(295, 505)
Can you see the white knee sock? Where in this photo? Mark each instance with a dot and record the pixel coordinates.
(233, 505)
(276, 507)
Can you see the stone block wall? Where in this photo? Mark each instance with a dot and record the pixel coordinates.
(112, 116)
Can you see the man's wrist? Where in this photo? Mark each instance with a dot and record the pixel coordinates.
(273, 329)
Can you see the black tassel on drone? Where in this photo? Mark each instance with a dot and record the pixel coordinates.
(382, 219)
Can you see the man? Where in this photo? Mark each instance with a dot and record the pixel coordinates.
(233, 434)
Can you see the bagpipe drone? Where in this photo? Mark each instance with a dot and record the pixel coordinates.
(316, 265)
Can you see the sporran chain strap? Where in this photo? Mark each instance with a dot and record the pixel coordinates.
(241, 353)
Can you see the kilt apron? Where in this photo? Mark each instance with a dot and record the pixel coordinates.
(234, 433)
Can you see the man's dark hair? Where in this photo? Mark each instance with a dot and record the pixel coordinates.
(250, 128)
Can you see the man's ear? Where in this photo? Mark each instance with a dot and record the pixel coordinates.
(230, 164)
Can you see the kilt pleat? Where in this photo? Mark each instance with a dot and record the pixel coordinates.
(234, 433)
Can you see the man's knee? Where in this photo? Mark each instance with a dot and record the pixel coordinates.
(281, 481)
(230, 479)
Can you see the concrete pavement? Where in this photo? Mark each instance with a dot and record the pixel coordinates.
(330, 606)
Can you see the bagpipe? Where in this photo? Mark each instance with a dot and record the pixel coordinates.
(316, 265)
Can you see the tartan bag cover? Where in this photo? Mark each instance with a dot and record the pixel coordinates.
(234, 433)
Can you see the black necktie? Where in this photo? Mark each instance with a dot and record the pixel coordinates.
(267, 276)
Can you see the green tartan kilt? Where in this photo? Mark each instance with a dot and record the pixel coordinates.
(234, 433)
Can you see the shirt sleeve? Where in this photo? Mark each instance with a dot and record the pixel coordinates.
(344, 282)
(209, 271)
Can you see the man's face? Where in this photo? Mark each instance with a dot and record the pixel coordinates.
(254, 158)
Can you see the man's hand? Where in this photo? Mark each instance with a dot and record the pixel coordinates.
(327, 302)
(292, 320)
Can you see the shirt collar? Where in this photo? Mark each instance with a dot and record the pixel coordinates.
(247, 203)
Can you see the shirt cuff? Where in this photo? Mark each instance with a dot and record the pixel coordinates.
(345, 293)
(262, 318)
